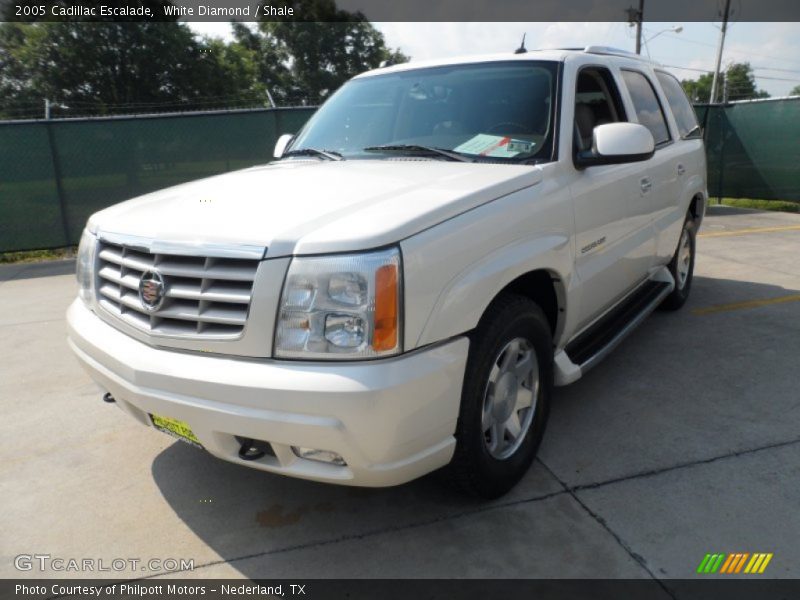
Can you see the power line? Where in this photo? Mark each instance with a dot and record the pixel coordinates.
(688, 69)
(775, 78)
(740, 52)
(775, 69)
(689, 40)
(755, 75)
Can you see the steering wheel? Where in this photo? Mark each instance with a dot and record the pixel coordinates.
(507, 127)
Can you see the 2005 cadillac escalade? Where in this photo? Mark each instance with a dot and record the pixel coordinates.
(439, 246)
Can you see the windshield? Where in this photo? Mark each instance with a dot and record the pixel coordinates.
(501, 111)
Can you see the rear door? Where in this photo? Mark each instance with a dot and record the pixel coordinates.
(687, 160)
(667, 166)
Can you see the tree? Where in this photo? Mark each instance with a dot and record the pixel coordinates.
(698, 90)
(304, 61)
(17, 95)
(795, 91)
(268, 59)
(112, 67)
(741, 85)
(106, 68)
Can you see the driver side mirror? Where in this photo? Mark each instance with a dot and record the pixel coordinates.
(617, 143)
(281, 144)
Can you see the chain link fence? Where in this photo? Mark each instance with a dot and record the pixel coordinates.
(54, 174)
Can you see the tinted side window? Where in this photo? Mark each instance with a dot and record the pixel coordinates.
(648, 109)
(680, 105)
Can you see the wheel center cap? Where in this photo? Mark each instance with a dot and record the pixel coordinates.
(505, 397)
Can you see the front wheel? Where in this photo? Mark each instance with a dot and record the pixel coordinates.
(682, 267)
(504, 402)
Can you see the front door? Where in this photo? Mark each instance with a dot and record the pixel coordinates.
(612, 203)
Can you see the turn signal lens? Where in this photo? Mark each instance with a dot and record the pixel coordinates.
(84, 267)
(386, 313)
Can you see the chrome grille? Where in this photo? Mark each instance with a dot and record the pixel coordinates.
(204, 296)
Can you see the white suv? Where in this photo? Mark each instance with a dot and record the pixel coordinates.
(440, 245)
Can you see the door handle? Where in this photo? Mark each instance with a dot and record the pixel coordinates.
(681, 170)
(646, 184)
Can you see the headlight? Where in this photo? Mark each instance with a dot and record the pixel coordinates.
(341, 307)
(84, 266)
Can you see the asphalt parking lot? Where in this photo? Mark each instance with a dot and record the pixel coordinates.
(685, 441)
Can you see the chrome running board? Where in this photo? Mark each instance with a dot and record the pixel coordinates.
(593, 345)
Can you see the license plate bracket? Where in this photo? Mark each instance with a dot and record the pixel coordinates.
(176, 428)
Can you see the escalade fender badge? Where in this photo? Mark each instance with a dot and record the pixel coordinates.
(593, 245)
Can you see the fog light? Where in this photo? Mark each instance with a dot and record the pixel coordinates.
(325, 456)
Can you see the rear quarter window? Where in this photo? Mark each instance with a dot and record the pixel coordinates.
(680, 105)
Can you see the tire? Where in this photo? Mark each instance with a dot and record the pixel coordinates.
(682, 267)
(510, 364)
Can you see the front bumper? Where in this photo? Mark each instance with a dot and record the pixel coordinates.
(392, 420)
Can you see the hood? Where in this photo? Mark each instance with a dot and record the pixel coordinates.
(311, 206)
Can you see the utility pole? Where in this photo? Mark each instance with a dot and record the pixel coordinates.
(715, 81)
(635, 17)
(639, 19)
(46, 108)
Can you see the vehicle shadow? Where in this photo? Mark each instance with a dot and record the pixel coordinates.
(640, 410)
(240, 512)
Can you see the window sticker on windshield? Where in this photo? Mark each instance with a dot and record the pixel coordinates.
(494, 145)
(520, 146)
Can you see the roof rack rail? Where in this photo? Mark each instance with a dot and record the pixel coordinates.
(614, 52)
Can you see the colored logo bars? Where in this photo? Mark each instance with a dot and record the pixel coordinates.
(734, 563)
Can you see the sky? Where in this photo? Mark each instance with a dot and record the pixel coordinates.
(773, 49)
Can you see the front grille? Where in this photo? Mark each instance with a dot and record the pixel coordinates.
(204, 296)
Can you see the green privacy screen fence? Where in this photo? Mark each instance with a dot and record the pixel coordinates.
(753, 149)
(54, 174)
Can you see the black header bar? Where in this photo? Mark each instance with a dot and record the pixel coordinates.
(709, 588)
(682, 11)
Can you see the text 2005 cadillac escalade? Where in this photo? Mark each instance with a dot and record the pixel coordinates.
(440, 245)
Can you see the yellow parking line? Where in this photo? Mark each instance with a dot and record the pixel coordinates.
(748, 304)
(747, 231)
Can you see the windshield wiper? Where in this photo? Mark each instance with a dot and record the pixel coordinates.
(414, 149)
(326, 154)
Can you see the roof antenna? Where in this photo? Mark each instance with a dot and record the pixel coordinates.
(521, 49)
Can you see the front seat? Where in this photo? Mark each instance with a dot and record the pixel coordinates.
(585, 122)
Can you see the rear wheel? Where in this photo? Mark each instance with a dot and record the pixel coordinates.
(682, 267)
(504, 402)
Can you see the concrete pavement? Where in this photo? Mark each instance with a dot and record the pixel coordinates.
(684, 441)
